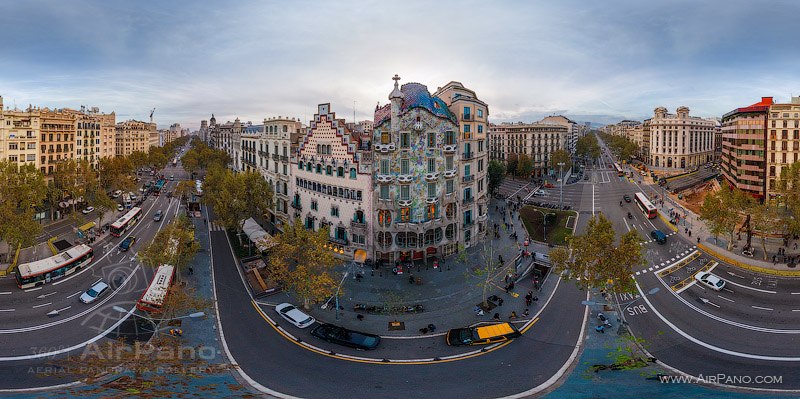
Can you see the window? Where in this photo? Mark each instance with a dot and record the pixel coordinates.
(384, 192)
(384, 166)
(12, 146)
(431, 140)
(480, 113)
(449, 138)
(386, 138)
(405, 191)
(431, 190)
(353, 173)
(334, 210)
(405, 215)
(405, 142)
(448, 162)
(314, 206)
(431, 165)
(480, 129)
(404, 166)
(285, 170)
(467, 171)
(467, 193)
(319, 168)
(449, 186)
(432, 214)
(480, 165)
(467, 111)
(340, 172)
(329, 170)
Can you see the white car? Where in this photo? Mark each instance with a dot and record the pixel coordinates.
(95, 292)
(294, 315)
(541, 192)
(120, 207)
(88, 210)
(133, 196)
(710, 280)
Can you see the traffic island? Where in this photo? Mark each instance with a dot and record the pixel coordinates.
(548, 225)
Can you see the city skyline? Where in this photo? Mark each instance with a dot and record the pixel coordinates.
(599, 63)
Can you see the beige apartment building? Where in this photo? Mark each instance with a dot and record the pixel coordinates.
(472, 116)
(133, 135)
(57, 139)
(277, 144)
(19, 135)
(680, 141)
(783, 140)
(536, 140)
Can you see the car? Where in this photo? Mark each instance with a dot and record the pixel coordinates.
(659, 236)
(294, 315)
(120, 207)
(152, 173)
(626, 197)
(481, 335)
(710, 280)
(157, 216)
(342, 336)
(127, 243)
(133, 196)
(585, 177)
(88, 210)
(541, 192)
(96, 290)
(117, 194)
(172, 177)
(548, 185)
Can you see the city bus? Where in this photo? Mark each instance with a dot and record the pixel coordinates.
(45, 270)
(153, 298)
(620, 173)
(126, 221)
(646, 206)
(159, 185)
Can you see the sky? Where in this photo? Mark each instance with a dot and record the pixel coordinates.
(599, 61)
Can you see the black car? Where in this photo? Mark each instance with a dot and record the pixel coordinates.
(627, 198)
(343, 336)
(127, 243)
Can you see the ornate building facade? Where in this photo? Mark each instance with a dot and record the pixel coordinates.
(535, 140)
(133, 135)
(418, 192)
(680, 141)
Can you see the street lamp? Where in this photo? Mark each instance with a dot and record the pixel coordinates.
(544, 223)
(561, 172)
(336, 295)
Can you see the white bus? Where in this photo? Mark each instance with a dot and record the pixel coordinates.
(153, 298)
(645, 205)
(126, 221)
(45, 270)
(617, 168)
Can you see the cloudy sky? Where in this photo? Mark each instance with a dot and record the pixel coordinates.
(596, 61)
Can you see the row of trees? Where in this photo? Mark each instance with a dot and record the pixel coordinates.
(522, 165)
(595, 259)
(729, 208)
(621, 145)
(587, 146)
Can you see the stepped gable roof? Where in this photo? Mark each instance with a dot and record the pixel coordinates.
(416, 95)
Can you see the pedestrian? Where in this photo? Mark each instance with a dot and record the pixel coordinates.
(511, 286)
(507, 277)
(191, 271)
(601, 329)
(496, 317)
(774, 259)
(698, 240)
(525, 313)
(513, 315)
(690, 233)
(205, 222)
(499, 301)
(795, 245)
(360, 317)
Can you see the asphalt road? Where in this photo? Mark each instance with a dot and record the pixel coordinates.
(747, 330)
(27, 332)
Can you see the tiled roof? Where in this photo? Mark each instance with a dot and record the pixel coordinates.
(416, 95)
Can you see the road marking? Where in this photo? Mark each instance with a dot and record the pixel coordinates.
(751, 288)
(5, 293)
(759, 307)
(722, 297)
(47, 295)
(44, 304)
(6, 310)
(36, 289)
(712, 304)
(795, 293)
(795, 310)
(75, 294)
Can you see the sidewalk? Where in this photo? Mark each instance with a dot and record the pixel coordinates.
(695, 230)
(599, 349)
(448, 294)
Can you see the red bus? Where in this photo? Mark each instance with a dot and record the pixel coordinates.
(620, 173)
(126, 221)
(43, 271)
(646, 206)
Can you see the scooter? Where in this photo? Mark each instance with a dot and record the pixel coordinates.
(604, 320)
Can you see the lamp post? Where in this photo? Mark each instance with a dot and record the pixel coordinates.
(561, 172)
(336, 295)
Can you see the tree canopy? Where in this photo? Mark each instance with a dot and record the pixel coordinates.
(23, 191)
(559, 156)
(497, 173)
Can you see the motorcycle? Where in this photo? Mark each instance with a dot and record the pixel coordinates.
(630, 216)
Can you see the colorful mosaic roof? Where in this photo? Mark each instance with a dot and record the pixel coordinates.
(416, 95)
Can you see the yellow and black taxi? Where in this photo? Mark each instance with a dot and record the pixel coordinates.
(482, 335)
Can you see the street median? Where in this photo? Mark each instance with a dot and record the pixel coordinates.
(753, 268)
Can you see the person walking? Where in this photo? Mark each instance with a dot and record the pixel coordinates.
(496, 317)
(499, 301)
(513, 315)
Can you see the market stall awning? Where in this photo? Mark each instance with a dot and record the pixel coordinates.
(258, 235)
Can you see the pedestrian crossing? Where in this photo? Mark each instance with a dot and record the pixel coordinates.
(214, 226)
(691, 252)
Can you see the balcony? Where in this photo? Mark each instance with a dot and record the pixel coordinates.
(469, 223)
(338, 241)
(449, 148)
(358, 225)
(432, 176)
(385, 148)
(285, 158)
(263, 153)
(468, 200)
(297, 205)
(468, 179)
(450, 173)
(275, 157)
(405, 178)
(467, 117)
(467, 155)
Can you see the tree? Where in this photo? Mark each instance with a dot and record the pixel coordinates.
(587, 146)
(237, 196)
(300, 263)
(23, 191)
(525, 166)
(138, 159)
(559, 156)
(183, 189)
(788, 187)
(721, 211)
(173, 245)
(257, 192)
(593, 260)
(511, 163)
(763, 219)
(497, 173)
(102, 204)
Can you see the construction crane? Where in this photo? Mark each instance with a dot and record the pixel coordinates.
(151, 115)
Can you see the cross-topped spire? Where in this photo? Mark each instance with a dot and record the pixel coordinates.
(396, 93)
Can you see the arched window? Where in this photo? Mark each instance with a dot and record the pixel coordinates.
(328, 170)
(450, 231)
(353, 173)
(319, 168)
(340, 172)
(300, 165)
